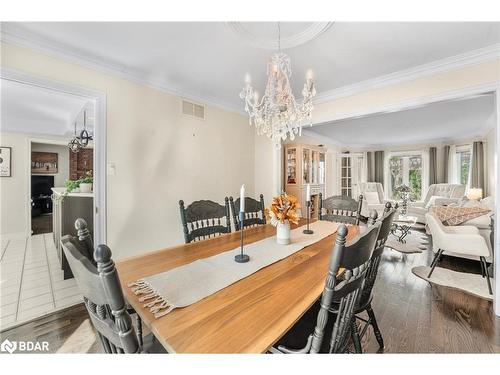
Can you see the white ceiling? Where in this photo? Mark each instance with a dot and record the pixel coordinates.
(209, 60)
(35, 110)
(437, 122)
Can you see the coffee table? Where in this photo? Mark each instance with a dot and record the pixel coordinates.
(403, 225)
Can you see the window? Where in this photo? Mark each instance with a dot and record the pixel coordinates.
(406, 169)
(462, 163)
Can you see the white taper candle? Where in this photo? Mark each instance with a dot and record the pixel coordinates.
(308, 193)
(242, 198)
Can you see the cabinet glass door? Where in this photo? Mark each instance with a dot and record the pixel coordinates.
(291, 166)
(314, 166)
(306, 166)
(321, 168)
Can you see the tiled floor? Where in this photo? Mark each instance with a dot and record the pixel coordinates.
(32, 283)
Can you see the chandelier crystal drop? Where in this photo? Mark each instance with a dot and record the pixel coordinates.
(277, 114)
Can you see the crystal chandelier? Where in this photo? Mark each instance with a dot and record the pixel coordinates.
(277, 114)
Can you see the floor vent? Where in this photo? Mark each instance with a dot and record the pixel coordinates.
(193, 109)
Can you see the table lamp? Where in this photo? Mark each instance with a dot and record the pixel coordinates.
(475, 193)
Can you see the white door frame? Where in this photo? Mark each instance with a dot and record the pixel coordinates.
(492, 88)
(99, 98)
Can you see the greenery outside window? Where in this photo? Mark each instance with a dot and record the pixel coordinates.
(406, 169)
(463, 156)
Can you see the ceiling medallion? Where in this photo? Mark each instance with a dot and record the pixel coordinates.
(277, 114)
(296, 39)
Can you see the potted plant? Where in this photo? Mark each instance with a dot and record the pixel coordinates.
(72, 186)
(86, 183)
(281, 213)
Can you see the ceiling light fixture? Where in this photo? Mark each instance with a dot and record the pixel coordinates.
(80, 141)
(277, 114)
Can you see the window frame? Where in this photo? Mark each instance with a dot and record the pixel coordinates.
(425, 171)
(456, 161)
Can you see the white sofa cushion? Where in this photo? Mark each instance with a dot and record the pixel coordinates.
(432, 201)
(481, 222)
(371, 197)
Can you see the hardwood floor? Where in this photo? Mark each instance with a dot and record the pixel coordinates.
(417, 318)
(41, 224)
(413, 317)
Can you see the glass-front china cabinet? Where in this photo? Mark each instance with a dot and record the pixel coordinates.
(305, 164)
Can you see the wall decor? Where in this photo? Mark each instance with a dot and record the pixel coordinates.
(5, 161)
(44, 162)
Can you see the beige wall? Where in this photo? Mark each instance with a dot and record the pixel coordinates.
(160, 155)
(14, 190)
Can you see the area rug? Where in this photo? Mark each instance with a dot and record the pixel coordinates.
(415, 243)
(466, 282)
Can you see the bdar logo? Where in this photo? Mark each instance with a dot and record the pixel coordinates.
(8, 346)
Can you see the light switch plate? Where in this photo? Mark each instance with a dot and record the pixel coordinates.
(111, 169)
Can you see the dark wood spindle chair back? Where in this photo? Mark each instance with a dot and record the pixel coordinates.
(204, 219)
(340, 208)
(254, 212)
(371, 274)
(354, 260)
(103, 297)
(86, 243)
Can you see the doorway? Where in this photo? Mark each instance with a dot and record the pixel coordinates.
(40, 118)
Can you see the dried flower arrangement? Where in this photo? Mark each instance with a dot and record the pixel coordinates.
(283, 207)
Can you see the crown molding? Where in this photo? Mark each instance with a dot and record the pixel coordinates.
(14, 34)
(20, 36)
(469, 58)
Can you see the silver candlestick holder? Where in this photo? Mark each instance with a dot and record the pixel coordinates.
(242, 258)
(308, 231)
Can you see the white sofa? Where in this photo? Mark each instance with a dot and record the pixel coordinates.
(438, 194)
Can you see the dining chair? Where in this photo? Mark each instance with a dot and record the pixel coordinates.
(204, 219)
(340, 208)
(86, 243)
(86, 247)
(254, 212)
(103, 298)
(322, 331)
(364, 303)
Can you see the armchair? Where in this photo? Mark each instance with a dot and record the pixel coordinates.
(437, 194)
(373, 198)
(462, 240)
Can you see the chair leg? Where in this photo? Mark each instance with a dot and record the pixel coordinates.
(376, 330)
(435, 262)
(355, 336)
(139, 330)
(485, 266)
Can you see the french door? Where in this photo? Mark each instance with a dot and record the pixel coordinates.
(352, 172)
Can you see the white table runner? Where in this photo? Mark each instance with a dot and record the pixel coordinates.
(190, 283)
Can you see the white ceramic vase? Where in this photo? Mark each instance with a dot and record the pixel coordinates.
(85, 188)
(283, 233)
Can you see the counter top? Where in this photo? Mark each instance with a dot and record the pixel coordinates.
(60, 191)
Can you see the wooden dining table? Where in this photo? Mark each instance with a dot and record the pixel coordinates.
(248, 316)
